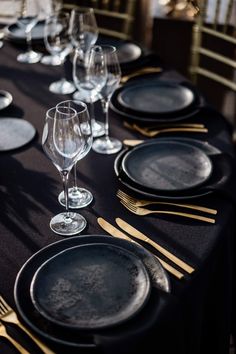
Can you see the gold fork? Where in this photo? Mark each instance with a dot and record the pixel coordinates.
(146, 70)
(142, 202)
(4, 334)
(133, 126)
(142, 211)
(155, 132)
(8, 314)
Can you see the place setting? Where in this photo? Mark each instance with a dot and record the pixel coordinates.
(83, 290)
(174, 168)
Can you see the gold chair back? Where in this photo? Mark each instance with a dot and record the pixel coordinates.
(115, 18)
(213, 52)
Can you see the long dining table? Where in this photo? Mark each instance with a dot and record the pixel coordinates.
(195, 316)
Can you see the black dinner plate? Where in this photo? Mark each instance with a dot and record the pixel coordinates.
(17, 34)
(156, 98)
(90, 287)
(52, 332)
(189, 111)
(167, 166)
(219, 175)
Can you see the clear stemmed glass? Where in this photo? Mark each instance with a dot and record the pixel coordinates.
(57, 41)
(84, 34)
(50, 8)
(63, 142)
(27, 14)
(78, 197)
(107, 144)
(89, 76)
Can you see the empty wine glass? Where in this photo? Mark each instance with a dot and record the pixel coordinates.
(57, 41)
(79, 197)
(89, 75)
(84, 34)
(63, 142)
(27, 14)
(107, 144)
(50, 8)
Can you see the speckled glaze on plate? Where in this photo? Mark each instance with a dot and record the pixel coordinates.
(91, 287)
(167, 166)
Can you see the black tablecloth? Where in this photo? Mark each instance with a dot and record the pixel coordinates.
(195, 317)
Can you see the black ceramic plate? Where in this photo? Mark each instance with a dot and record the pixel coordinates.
(132, 115)
(5, 99)
(128, 52)
(91, 287)
(16, 33)
(15, 133)
(52, 332)
(211, 151)
(167, 166)
(155, 97)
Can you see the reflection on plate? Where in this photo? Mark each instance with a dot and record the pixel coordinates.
(5, 99)
(91, 287)
(16, 33)
(167, 166)
(212, 152)
(150, 114)
(15, 133)
(155, 97)
(53, 332)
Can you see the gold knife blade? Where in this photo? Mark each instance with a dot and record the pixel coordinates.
(137, 234)
(112, 230)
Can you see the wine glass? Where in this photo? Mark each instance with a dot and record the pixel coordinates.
(89, 75)
(50, 8)
(63, 142)
(78, 197)
(27, 14)
(84, 34)
(57, 41)
(107, 144)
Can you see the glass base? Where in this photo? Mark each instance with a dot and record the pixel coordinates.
(98, 128)
(107, 145)
(68, 224)
(62, 87)
(53, 60)
(82, 96)
(78, 198)
(29, 57)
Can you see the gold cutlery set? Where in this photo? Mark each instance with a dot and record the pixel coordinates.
(152, 132)
(146, 70)
(9, 316)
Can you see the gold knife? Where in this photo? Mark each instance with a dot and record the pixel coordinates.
(137, 234)
(117, 233)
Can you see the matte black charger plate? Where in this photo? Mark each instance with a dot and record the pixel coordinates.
(15, 133)
(91, 287)
(167, 166)
(53, 332)
(216, 177)
(147, 117)
(155, 97)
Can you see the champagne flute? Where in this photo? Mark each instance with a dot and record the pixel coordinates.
(78, 197)
(27, 13)
(107, 144)
(63, 142)
(84, 34)
(57, 41)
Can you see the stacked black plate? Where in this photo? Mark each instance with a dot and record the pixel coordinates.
(156, 101)
(80, 287)
(173, 168)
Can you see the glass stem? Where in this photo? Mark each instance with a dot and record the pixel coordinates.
(91, 110)
(28, 40)
(65, 175)
(105, 105)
